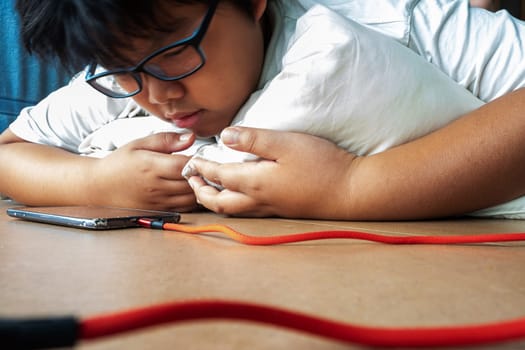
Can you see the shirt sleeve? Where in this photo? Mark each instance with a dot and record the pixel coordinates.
(481, 50)
(68, 115)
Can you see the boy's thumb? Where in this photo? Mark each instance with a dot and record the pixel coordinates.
(165, 142)
(260, 142)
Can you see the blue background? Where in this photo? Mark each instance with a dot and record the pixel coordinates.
(24, 79)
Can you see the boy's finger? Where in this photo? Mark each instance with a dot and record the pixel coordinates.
(165, 142)
(267, 144)
(223, 202)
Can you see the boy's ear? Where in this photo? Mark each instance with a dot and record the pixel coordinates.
(259, 7)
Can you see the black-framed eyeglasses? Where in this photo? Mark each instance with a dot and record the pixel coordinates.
(172, 62)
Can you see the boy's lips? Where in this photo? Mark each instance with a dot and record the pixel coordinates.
(185, 120)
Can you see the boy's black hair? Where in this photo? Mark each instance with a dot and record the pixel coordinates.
(80, 32)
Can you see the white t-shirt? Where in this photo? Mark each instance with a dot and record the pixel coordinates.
(472, 46)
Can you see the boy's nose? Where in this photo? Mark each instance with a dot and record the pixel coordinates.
(160, 91)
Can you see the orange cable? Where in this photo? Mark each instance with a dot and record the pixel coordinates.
(341, 234)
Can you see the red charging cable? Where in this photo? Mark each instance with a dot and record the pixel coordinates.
(333, 234)
(477, 334)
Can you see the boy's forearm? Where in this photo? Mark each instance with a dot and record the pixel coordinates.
(41, 175)
(475, 162)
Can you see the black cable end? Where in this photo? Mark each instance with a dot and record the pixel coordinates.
(26, 334)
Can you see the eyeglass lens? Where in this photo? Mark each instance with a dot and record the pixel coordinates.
(171, 64)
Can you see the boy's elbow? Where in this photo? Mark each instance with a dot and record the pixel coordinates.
(8, 137)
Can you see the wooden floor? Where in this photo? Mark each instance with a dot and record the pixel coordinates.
(52, 270)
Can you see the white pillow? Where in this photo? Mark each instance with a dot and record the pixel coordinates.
(356, 87)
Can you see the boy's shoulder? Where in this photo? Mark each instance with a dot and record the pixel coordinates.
(390, 17)
(323, 28)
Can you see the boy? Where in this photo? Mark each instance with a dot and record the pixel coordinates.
(336, 103)
(201, 95)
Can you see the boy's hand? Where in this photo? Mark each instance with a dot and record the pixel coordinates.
(144, 174)
(297, 178)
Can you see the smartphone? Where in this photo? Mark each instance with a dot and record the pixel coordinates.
(90, 217)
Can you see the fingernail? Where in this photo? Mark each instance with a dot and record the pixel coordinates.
(188, 171)
(185, 137)
(230, 136)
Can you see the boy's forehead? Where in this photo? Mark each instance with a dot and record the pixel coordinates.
(177, 13)
(175, 22)
(177, 17)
